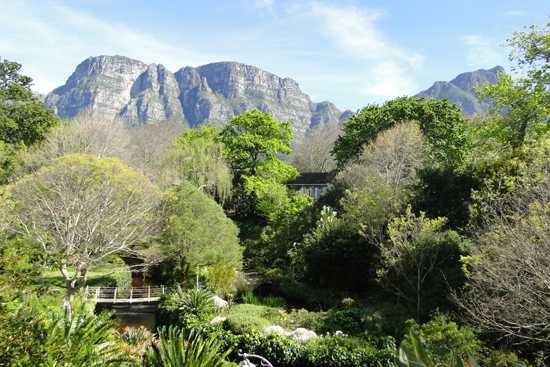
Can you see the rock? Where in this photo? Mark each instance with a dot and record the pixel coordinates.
(217, 320)
(275, 329)
(302, 335)
(339, 333)
(117, 86)
(219, 303)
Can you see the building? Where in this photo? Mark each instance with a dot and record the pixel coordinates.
(314, 184)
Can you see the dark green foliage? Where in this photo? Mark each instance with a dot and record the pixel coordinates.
(341, 260)
(440, 121)
(421, 263)
(444, 192)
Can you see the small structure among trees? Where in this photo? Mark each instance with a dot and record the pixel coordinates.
(314, 184)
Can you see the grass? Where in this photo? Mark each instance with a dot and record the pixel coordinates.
(98, 276)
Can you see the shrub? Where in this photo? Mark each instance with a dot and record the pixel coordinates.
(322, 352)
(243, 317)
(269, 301)
(443, 339)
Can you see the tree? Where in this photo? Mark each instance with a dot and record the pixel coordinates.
(253, 142)
(420, 260)
(508, 276)
(81, 209)
(197, 156)
(82, 135)
(379, 182)
(313, 152)
(526, 99)
(440, 121)
(394, 156)
(23, 118)
(197, 232)
(253, 138)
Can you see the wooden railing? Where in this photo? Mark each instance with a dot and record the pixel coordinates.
(124, 295)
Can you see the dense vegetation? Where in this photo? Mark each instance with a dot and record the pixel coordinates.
(430, 247)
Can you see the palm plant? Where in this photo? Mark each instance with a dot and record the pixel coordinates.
(82, 339)
(197, 301)
(174, 349)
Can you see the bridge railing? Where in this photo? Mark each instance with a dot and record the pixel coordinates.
(125, 295)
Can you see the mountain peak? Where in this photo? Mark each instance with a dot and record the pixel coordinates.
(461, 90)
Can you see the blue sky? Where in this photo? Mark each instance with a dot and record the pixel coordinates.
(349, 52)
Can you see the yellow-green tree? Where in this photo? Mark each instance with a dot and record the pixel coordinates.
(81, 209)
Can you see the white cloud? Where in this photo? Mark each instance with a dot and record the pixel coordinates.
(481, 52)
(355, 32)
(52, 39)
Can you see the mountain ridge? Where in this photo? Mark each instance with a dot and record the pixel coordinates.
(140, 93)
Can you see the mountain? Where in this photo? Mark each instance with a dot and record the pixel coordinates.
(461, 92)
(117, 86)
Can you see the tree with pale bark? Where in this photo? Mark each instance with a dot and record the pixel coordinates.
(81, 210)
(312, 153)
(508, 290)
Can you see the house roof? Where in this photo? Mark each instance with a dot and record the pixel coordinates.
(313, 178)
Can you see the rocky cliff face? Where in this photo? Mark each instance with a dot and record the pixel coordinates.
(461, 90)
(116, 86)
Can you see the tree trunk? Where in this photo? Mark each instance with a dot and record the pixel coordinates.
(418, 288)
(71, 283)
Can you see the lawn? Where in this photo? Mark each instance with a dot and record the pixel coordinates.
(103, 275)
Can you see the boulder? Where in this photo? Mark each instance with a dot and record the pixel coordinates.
(217, 320)
(219, 303)
(302, 335)
(275, 329)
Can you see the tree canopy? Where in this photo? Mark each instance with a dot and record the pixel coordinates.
(440, 121)
(81, 209)
(197, 232)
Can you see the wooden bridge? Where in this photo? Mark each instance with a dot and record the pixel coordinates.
(117, 295)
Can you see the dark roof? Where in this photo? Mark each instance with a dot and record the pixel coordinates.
(313, 178)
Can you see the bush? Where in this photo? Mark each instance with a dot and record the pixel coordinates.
(241, 318)
(444, 339)
(269, 301)
(322, 352)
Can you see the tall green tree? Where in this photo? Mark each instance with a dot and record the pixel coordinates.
(197, 233)
(525, 100)
(23, 118)
(253, 143)
(440, 121)
(198, 157)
